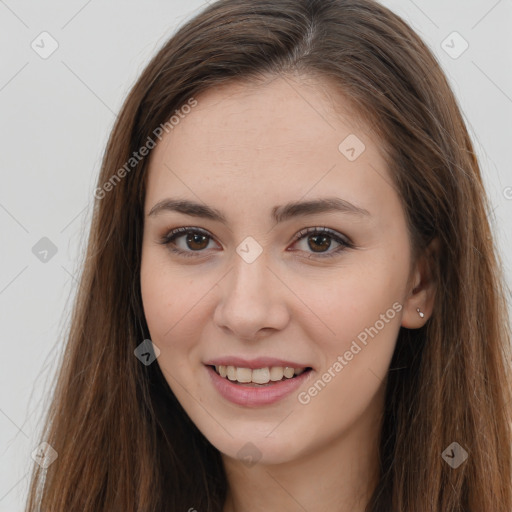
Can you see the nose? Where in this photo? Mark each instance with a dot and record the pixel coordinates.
(252, 301)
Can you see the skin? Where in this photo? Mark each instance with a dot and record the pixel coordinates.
(243, 150)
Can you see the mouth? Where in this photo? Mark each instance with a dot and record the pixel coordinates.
(258, 377)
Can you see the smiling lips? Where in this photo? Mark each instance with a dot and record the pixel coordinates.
(257, 371)
(256, 382)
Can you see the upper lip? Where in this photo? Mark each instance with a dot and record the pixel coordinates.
(260, 362)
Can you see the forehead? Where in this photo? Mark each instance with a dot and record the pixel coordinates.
(279, 140)
(282, 112)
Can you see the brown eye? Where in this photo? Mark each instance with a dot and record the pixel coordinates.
(320, 243)
(187, 241)
(320, 240)
(196, 242)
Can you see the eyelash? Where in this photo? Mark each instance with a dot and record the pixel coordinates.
(170, 237)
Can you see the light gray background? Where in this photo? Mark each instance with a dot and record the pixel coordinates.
(56, 114)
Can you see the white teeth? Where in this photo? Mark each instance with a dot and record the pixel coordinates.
(243, 374)
(261, 375)
(276, 373)
(288, 372)
(258, 375)
(231, 373)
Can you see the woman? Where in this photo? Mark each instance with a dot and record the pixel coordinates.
(291, 298)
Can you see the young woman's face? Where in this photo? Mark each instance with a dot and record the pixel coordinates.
(293, 252)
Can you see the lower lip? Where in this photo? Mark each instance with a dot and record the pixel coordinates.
(254, 396)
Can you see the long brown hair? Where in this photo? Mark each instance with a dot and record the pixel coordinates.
(123, 441)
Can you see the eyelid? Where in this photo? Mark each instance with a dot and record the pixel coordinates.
(323, 230)
(175, 233)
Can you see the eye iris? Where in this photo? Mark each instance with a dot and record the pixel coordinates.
(325, 242)
(195, 238)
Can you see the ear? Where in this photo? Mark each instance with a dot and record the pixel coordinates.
(422, 289)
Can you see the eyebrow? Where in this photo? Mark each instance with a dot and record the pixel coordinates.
(279, 213)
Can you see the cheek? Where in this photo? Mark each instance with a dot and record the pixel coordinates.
(176, 304)
(167, 311)
(343, 305)
(362, 334)
(167, 293)
(159, 302)
(355, 361)
(361, 314)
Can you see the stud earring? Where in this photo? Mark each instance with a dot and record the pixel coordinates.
(420, 312)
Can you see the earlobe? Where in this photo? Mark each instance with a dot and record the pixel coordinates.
(418, 308)
(419, 305)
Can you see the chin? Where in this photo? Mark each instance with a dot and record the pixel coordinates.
(252, 446)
